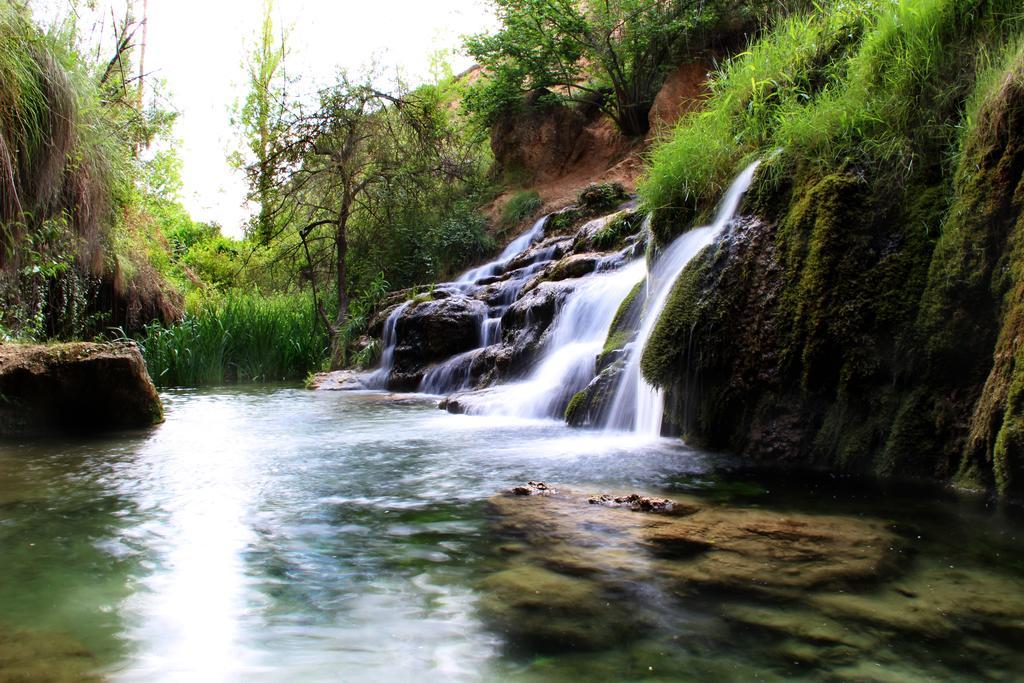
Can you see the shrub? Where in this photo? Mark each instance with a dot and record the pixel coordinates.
(600, 197)
(520, 206)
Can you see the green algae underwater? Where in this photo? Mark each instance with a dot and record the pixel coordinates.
(272, 534)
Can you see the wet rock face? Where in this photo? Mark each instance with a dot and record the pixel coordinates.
(589, 407)
(433, 331)
(75, 388)
(525, 322)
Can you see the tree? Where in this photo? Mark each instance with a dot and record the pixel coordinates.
(611, 52)
(261, 115)
(335, 162)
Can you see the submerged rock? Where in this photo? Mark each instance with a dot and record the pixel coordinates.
(547, 611)
(691, 544)
(338, 380)
(77, 388)
(44, 657)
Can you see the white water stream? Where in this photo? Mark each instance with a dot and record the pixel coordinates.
(570, 353)
(638, 405)
(576, 337)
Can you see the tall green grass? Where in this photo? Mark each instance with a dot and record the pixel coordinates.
(237, 338)
(876, 87)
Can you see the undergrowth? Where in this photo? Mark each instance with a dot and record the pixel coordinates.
(237, 338)
(874, 88)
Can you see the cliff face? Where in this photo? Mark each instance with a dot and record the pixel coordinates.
(858, 330)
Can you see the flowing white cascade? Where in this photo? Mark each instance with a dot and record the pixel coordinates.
(637, 404)
(571, 349)
(515, 247)
(453, 374)
(378, 379)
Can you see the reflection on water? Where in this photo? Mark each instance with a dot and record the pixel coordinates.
(281, 535)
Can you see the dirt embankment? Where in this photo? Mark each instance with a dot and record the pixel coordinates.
(557, 150)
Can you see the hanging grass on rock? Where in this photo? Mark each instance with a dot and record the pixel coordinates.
(240, 338)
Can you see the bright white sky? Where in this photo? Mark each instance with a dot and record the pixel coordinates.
(197, 47)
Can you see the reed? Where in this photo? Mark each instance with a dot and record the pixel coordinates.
(237, 338)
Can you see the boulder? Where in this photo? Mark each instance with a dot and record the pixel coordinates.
(75, 388)
(432, 331)
(590, 405)
(574, 266)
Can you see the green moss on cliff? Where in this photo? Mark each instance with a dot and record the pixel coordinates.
(624, 323)
(872, 317)
(572, 410)
(868, 88)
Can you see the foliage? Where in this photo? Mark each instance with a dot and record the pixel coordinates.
(520, 206)
(597, 198)
(73, 224)
(611, 54)
(375, 181)
(615, 231)
(874, 87)
(260, 118)
(239, 337)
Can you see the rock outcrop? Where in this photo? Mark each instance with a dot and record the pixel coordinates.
(431, 331)
(76, 388)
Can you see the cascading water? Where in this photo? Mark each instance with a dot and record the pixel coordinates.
(638, 405)
(517, 246)
(454, 373)
(378, 379)
(575, 340)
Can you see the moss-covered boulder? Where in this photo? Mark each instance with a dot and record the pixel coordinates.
(75, 388)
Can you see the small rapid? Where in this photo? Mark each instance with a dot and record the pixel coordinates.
(637, 405)
(378, 379)
(454, 374)
(472, 277)
(568, 361)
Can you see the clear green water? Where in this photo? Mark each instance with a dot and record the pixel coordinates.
(282, 535)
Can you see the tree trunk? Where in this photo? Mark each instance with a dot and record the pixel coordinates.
(340, 251)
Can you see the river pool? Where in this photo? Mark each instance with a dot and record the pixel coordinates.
(275, 534)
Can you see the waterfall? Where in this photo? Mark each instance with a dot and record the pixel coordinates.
(637, 404)
(517, 246)
(453, 374)
(568, 361)
(378, 379)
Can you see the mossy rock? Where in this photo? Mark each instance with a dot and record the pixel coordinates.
(77, 388)
(546, 611)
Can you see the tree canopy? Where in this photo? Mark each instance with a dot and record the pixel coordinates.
(613, 53)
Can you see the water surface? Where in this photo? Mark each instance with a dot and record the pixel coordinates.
(276, 534)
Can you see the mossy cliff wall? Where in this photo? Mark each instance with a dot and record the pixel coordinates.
(859, 326)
